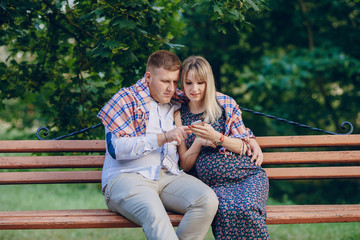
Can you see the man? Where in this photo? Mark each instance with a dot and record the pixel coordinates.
(141, 177)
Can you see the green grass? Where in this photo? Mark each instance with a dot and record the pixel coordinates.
(88, 196)
(316, 231)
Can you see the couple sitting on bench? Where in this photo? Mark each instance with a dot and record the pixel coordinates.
(151, 129)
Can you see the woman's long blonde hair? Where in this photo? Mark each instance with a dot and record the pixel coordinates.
(201, 70)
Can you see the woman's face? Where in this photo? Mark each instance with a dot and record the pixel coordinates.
(194, 90)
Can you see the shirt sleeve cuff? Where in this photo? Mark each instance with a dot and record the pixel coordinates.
(152, 142)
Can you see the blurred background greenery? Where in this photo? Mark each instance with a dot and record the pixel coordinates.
(60, 61)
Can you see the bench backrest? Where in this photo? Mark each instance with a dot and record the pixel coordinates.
(288, 157)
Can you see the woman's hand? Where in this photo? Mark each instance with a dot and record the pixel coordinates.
(205, 131)
(204, 142)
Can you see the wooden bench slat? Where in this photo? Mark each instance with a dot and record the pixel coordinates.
(291, 214)
(64, 219)
(65, 222)
(95, 176)
(29, 162)
(312, 172)
(99, 145)
(310, 141)
(61, 213)
(96, 161)
(102, 218)
(27, 146)
(50, 177)
(328, 157)
(312, 208)
(106, 212)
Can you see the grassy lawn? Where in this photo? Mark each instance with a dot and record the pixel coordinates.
(84, 196)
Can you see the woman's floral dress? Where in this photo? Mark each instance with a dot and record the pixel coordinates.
(241, 187)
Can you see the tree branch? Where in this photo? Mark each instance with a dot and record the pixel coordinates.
(69, 20)
(308, 24)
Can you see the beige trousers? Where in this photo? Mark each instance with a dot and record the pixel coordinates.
(145, 201)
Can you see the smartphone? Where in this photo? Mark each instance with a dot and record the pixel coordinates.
(198, 122)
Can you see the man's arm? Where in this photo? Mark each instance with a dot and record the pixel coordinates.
(128, 148)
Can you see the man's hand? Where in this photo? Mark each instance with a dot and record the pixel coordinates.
(256, 152)
(177, 134)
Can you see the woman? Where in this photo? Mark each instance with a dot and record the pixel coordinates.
(217, 149)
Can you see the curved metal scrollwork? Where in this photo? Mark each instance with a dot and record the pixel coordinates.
(65, 136)
(243, 109)
(302, 125)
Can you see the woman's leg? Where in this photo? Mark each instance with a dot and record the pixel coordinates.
(241, 213)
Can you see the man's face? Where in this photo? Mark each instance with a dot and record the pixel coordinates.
(162, 84)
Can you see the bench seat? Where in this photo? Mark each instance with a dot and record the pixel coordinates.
(103, 218)
(285, 158)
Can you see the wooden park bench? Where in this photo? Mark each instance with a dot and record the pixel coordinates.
(288, 157)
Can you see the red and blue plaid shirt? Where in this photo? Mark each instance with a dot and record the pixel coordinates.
(127, 112)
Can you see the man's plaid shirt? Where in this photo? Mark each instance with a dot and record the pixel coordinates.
(127, 112)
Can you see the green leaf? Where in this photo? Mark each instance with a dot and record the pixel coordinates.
(254, 6)
(123, 23)
(113, 44)
(235, 12)
(218, 10)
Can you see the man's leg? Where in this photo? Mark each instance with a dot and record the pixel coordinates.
(137, 198)
(188, 195)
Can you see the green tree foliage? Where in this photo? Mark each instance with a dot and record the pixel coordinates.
(65, 59)
(222, 12)
(75, 56)
(314, 58)
(301, 62)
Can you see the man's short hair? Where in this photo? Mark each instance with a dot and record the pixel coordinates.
(163, 59)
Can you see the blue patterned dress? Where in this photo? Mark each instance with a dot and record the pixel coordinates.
(241, 187)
